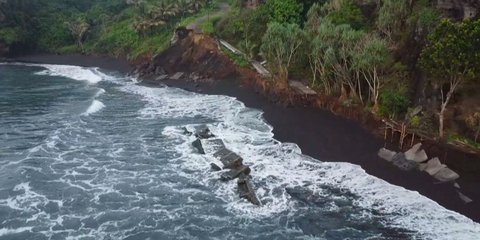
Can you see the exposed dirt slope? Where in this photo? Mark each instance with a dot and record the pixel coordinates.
(196, 53)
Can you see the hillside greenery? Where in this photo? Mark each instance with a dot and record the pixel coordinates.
(374, 54)
(129, 28)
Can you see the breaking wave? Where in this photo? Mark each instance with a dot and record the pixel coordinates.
(132, 172)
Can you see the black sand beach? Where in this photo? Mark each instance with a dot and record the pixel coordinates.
(319, 134)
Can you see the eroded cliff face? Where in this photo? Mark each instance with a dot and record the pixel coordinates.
(195, 53)
(459, 9)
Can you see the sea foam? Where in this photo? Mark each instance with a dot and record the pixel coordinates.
(94, 107)
(91, 75)
(282, 165)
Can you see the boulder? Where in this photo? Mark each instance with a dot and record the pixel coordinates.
(416, 155)
(177, 76)
(386, 154)
(161, 77)
(215, 167)
(235, 173)
(464, 198)
(213, 145)
(401, 162)
(422, 166)
(246, 191)
(446, 175)
(434, 166)
(186, 132)
(204, 133)
(229, 159)
(198, 145)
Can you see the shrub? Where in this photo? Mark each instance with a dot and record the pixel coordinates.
(10, 35)
(393, 104)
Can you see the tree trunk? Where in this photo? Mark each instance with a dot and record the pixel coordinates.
(477, 133)
(282, 80)
(441, 116)
(453, 86)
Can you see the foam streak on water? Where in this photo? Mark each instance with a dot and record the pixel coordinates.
(94, 107)
(128, 171)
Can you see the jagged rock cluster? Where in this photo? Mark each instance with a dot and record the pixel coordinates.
(416, 158)
(229, 162)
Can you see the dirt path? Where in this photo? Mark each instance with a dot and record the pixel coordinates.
(196, 25)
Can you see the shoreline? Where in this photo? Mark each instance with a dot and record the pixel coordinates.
(330, 138)
(115, 64)
(319, 133)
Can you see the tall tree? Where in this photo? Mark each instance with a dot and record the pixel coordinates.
(391, 17)
(280, 45)
(371, 59)
(78, 29)
(452, 57)
(331, 53)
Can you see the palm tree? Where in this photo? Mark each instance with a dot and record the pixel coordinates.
(164, 11)
(184, 6)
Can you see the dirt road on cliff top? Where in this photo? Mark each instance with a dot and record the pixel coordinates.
(196, 25)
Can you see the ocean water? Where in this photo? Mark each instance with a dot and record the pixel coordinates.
(91, 154)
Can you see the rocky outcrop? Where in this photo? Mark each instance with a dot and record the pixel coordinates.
(227, 161)
(195, 53)
(459, 9)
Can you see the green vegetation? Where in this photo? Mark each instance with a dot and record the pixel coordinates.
(130, 28)
(394, 103)
(369, 53)
(452, 57)
(237, 59)
(280, 44)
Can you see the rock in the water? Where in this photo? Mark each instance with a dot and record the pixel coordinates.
(213, 145)
(215, 167)
(229, 159)
(401, 162)
(434, 166)
(386, 154)
(186, 132)
(235, 173)
(198, 145)
(416, 155)
(446, 175)
(246, 191)
(204, 133)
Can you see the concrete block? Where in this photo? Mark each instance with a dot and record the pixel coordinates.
(446, 175)
(434, 166)
(386, 154)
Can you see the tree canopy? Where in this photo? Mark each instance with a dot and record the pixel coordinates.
(452, 57)
(280, 46)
